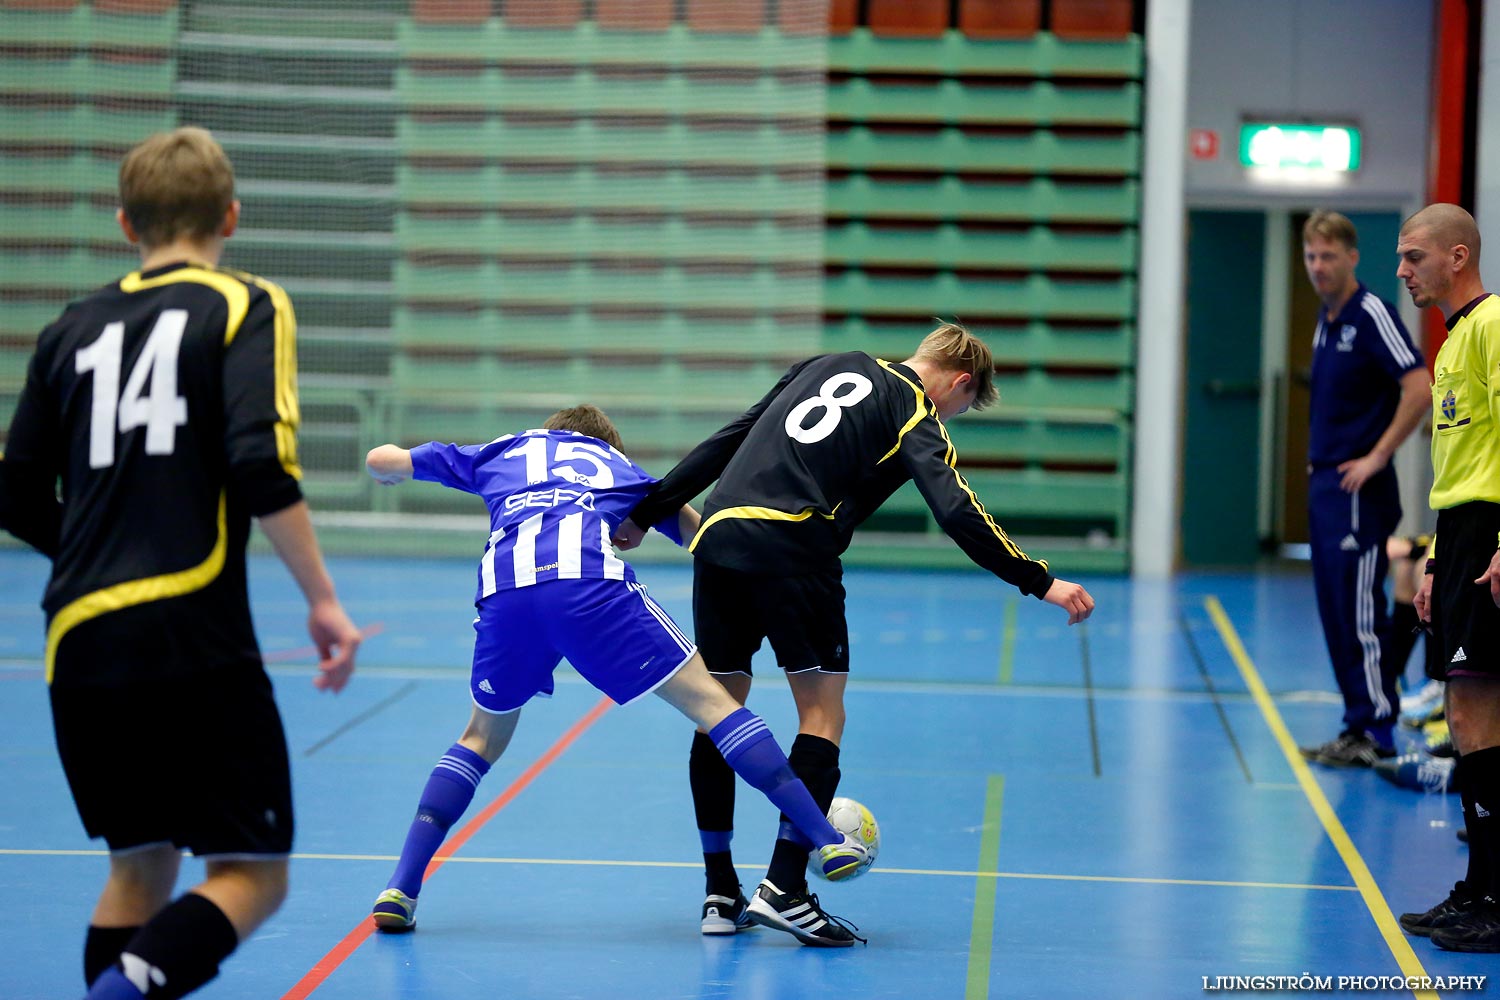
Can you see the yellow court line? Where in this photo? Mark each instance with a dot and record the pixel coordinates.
(1375, 902)
(982, 929)
(755, 866)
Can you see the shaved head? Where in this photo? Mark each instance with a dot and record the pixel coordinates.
(1446, 226)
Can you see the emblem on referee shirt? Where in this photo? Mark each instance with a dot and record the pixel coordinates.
(1450, 405)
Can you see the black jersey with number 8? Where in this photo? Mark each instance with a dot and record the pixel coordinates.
(819, 453)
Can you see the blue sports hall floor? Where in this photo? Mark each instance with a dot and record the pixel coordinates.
(1112, 810)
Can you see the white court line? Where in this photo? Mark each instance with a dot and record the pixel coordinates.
(755, 866)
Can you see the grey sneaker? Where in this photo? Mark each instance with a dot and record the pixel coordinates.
(1348, 750)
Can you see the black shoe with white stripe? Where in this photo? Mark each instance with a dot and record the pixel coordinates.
(800, 916)
(726, 914)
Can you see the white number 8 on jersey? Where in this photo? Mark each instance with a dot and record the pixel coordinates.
(832, 406)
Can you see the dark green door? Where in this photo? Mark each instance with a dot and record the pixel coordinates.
(1221, 439)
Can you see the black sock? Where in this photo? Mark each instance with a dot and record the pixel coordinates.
(1478, 775)
(816, 761)
(712, 781)
(184, 942)
(1403, 636)
(102, 947)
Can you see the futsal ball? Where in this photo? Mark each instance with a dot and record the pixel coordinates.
(849, 816)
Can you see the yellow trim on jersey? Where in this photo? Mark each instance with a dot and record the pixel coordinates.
(916, 417)
(135, 592)
(236, 295)
(286, 377)
(758, 514)
(950, 459)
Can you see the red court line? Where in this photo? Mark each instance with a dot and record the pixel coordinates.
(303, 652)
(329, 963)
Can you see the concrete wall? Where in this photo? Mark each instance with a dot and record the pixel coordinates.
(1367, 62)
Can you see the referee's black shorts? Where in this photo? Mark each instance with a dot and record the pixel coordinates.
(1465, 621)
(802, 616)
(199, 762)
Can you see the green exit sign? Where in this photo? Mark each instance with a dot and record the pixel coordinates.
(1299, 147)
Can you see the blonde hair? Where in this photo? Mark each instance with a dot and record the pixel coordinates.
(586, 418)
(951, 347)
(1331, 226)
(176, 184)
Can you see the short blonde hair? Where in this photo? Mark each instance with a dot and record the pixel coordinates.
(586, 418)
(951, 347)
(1448, 226)
(176, 184)
(1331, 226)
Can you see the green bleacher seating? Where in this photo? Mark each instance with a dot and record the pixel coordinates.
(482, 220)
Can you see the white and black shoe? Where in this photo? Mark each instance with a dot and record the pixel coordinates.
(725, 915)
(801, 917)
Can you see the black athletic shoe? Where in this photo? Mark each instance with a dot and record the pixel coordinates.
(801, 917)
(1450, 911)
(723, 915)
(1476, 930)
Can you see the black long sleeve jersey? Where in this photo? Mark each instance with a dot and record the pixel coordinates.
(166, 405)
(819, 453)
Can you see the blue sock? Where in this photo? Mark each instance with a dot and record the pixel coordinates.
(715, 841)
(449, 791)
(749, 747)
(112, 985)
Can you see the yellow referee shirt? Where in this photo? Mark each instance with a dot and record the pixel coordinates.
(1466, 410)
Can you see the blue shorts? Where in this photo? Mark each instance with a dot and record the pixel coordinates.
(611, 631)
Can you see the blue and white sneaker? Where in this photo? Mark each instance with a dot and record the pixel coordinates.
(726, 915)
(394, 912)
(844, 860)
(1422, 705)
(1420, 771)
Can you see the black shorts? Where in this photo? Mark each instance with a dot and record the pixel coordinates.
(200, 763)
(803, 616)
(1465, 621)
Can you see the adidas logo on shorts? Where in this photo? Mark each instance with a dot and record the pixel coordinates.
(1459, 656)
(484, 686)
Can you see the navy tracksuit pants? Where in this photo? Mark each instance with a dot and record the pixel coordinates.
(1349, 561)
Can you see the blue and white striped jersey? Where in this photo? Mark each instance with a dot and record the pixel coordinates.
(555, 498)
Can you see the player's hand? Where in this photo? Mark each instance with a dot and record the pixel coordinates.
(337, 639)
(1492, 577)
(1072, 598)
(1356, 472)
(628, 535)
(388, 464)
(1423, 599)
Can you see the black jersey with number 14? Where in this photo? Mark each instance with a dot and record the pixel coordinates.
(819, 453)
(166, 406)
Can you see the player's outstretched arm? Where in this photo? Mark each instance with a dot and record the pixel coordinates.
(1072, 598)
(291, 533)
(389, 464)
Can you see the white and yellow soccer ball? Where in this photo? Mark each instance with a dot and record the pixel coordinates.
(852, 818)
